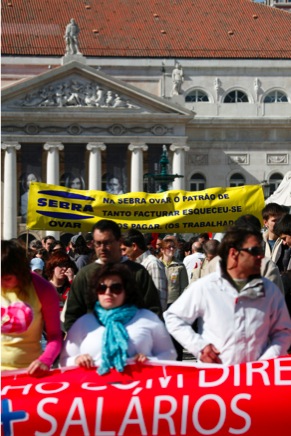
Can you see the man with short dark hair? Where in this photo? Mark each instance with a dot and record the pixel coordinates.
(274, 249)
(134, 247)
(283, 229)
(47, 241)
(107, 240)
(241, 316)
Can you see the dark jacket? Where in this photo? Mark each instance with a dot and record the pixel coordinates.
(78, 304)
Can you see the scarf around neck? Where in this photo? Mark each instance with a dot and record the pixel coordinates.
(115, 336)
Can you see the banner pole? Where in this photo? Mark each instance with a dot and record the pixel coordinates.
(27, 235)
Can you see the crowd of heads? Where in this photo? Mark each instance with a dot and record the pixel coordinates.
(43, 255)
(132, 243)
(239, 254)
(106, 241)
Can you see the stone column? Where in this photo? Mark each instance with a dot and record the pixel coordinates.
(53, 170)
(136, 171)
(9, 206)
(95, 167)
(178, 166)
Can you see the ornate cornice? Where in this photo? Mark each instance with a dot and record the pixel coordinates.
(76, 129)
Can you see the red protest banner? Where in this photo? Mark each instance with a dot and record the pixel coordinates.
(152, 399)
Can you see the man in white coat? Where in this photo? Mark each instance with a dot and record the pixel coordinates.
(241, 316)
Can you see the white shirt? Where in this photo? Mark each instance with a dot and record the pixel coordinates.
(245, 326)
(193, 261)
(147, 335)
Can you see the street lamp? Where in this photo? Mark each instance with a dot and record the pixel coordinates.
(163, 178)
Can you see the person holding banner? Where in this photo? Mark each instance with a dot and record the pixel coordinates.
(107, 241)
(119, 327)
(28, 303)
(241, 316)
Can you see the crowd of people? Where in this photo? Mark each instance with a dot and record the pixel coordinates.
(109, 296)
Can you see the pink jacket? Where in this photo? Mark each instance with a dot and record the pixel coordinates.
(51, 315)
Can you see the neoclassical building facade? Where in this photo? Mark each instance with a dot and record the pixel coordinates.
(93, 122)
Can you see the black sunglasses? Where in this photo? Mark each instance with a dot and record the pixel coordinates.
(254, 251)
(115, 288)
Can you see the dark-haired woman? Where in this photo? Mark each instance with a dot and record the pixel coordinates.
(56, 271)
(118, 328)
(28, 302)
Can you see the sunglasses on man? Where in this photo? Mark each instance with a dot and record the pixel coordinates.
(254, 251)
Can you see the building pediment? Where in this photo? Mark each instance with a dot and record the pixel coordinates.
(75, 88)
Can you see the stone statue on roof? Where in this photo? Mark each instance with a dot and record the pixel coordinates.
(71, 38)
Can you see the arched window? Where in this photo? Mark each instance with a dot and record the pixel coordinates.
(237, 180)
(276, 97)
(196, 96)
(236, 97)
(274, 182)
(197, 182)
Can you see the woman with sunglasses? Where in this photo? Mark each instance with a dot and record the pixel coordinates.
(118, 327)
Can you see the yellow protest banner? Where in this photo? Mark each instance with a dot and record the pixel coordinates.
(58, 208)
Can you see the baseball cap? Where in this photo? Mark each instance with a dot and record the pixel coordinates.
(36, 263)
(76, 238)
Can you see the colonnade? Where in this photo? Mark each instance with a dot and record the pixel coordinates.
(9, 205)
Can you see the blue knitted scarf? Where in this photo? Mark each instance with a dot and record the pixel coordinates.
(115, 336)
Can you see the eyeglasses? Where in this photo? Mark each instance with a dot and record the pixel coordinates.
(115, 288)
(106, 244)
(253, 251)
